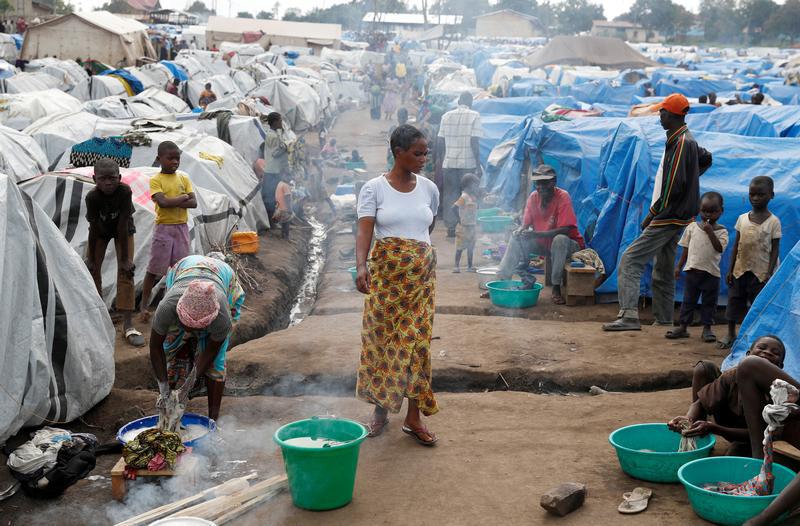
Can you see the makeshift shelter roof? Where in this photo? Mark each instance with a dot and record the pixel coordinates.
(222, 24)
(589, 51)
(412, 19)
(104, 20)
(515, 13)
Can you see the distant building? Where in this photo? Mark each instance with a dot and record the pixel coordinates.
(409, 25)
(272, 33)
(627, 31)
(509, 24)
(141, 9)
(30, 9)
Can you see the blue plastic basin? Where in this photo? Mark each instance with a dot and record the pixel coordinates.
(188, 419)
(662, 460)
(730, 510)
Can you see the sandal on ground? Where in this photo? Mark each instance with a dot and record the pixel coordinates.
(709, 337)
(636, 501)
(558, 299)
(417, 435)
(134, 337)
(623, 324)
(676, 334)
(376, 428)
(485, 295)
(724, 343)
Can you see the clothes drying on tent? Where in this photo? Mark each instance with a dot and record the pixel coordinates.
(88, 152)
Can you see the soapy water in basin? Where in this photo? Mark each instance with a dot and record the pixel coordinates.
(312, 443)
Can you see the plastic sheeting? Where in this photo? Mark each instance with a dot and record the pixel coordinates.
(776, 310)
(293, 98)
(21, 158)
(247, 133)
(785, 119)
(152, 102)
(62, 196)
(28, 82)
(521, 105)
(212, 164)
(22, 109)
(58, 352)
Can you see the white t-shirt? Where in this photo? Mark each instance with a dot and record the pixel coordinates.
(755, 245)
(407, 215)
(701, 253)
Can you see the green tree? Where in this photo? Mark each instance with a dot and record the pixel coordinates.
(754, 14)
(244, 14)
(198, 7)
(547, 14)
(527, 7)
(576, 16)
(721, 21)
(664, 16)
(264, 15)
(784, 23)
(469, 9)
(293, 14)
(63, 7)
(117, 6)
(5, 5)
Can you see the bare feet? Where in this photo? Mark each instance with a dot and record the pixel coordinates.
(144, 316)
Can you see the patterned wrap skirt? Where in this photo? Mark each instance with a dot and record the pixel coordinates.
(397, 325)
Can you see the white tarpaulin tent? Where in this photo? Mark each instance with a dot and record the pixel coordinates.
(19, 110)
(21, 157)
(72, 78)
(298, 102)
(210, 163)
(58, 340)
(152, 102)
(247, 134)
(62, 196)
(27, 82)
(102, 86)
(99, 35)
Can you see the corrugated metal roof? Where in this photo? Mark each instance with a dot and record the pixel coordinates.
(281, 28)
(511, 12)
(412, 19)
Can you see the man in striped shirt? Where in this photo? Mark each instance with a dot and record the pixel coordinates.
(458, 154)
(675, 203)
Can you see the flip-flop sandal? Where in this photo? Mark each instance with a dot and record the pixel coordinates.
(636, 501)
(724, 344)
(676, 335)
(709, 337)
(415, 434)
(376, 428)
(558, 300)
(134, 337)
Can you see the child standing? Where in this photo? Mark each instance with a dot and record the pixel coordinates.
(703, 243)
(466, 209)
(109, 211)
(283, 200)
(754, 256)
(173, 194)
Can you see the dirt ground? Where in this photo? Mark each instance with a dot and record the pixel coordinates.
(499, 451)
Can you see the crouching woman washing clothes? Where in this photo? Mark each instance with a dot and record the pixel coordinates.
(192, 327)
(398, 210)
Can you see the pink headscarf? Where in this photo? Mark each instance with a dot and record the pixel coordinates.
(198, 306)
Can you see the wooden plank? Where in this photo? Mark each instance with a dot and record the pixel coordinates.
(786, 449)
(221, 505)
(247, 506)
(226, 488)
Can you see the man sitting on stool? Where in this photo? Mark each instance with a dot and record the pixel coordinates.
(549, 228)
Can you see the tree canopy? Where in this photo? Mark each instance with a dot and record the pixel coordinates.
(198, 7)
(264, 15)
(244, 14)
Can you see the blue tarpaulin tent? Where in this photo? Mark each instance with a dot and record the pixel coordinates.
(521, 105)
(775, 311)
(177, 70)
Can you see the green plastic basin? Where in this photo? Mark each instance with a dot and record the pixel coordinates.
(495, 223)
(489, 212)
(502, 294)
(353, 272)
(662, 460)
(729, 510)
(321, 478)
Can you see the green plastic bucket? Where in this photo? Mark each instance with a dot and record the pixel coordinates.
(730, 510)
(495, 223)
(321, 478)
(506, 293)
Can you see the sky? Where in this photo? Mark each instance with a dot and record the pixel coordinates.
(612, 8)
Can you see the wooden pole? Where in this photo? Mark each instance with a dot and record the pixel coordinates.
(220, 506)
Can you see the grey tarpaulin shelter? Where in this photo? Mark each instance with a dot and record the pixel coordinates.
(57, 356)
(611, 53)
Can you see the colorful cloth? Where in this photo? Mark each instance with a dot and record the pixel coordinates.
(87, 153)
(784, 397)
(141, 452)
(180, 355)
(397, 326)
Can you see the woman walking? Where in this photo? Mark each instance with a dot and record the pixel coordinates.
(398, 209)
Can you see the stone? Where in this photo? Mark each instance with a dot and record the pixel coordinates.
(564, 499)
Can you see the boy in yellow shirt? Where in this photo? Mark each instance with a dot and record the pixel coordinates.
(173, 194)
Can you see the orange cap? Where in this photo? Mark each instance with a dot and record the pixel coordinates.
(675, 103)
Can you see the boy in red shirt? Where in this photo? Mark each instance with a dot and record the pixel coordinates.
(549, 227)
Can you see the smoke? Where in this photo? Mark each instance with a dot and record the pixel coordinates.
(235, 450)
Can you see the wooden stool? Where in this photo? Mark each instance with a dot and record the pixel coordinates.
(186, 466)
(578, 285)
(548, 265)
